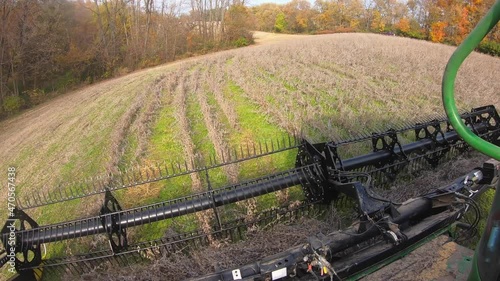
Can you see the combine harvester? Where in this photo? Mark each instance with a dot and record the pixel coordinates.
(384, 231)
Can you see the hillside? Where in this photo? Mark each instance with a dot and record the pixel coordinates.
(328, 86)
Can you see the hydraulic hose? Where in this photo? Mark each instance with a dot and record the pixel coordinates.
(450, 73)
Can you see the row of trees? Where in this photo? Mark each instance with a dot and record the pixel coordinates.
(446, 21)
(48, 45)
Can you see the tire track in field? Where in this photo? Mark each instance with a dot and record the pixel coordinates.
(141, 132)
(217, 132)
(256, 91)
(150, 113)
(138, 117)
(221, 75)
(180, 103)
(118, 146)
(281, 109)
(215, 81)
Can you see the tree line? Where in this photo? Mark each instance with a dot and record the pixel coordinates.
(445, 21)
(48, 46)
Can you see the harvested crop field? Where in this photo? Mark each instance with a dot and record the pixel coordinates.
(326, 87)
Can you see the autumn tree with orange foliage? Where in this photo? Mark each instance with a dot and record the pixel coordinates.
(437, 33)
(403, 25)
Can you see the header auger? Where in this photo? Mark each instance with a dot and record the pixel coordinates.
(326, 172)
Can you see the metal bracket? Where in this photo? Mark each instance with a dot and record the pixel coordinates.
(463, 146)
(489, 117)
(431, 131)
(388, 142)
(26, 254)
(332, 156)
(367, 204)
(490, 170)
(316, 189)
(109, 218)
(492, 120)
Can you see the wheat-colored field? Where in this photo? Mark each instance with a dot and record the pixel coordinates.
(326, 87)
